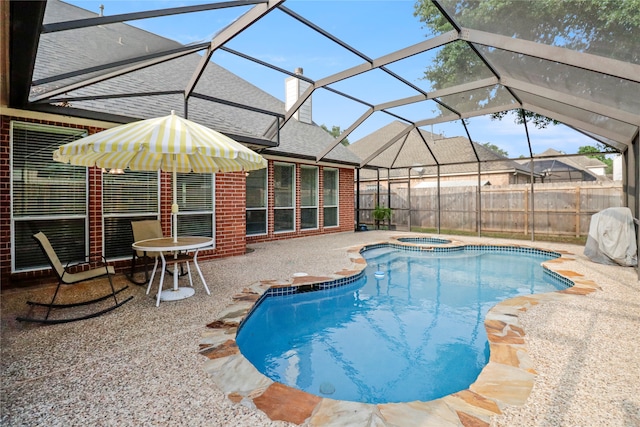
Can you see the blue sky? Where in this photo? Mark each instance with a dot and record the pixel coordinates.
(374, 28)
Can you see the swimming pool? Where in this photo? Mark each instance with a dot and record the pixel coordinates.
(415, 334)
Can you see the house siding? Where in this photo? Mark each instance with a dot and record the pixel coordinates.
(230, 211)
(345, 207)
(230, 214)
(5, 201)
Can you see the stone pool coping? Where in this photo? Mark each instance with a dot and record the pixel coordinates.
(506, 380)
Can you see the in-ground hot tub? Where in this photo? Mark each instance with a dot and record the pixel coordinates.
(424, 240)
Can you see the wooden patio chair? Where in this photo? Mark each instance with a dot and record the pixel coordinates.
(66, 277)
(151, 229)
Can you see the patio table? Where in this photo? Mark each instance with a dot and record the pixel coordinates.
(181, 244)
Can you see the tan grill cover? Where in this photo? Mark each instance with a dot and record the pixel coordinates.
(612, 238)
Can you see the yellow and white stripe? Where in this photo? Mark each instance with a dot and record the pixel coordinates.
(154, 144)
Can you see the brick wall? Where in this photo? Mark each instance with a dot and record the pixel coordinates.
(5, 202)
(230, 203)
(95, 214)
(95, 222)
(166, 200)
(345, 207)
(230, 212)
(7, 279)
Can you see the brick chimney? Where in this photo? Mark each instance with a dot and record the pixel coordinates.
(294, 87)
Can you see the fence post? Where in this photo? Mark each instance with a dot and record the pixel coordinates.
(439, 206)
(409, 197)
(577, 198)
(526, 211)
(479, 204)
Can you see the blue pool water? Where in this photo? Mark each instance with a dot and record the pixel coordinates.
(417, 333)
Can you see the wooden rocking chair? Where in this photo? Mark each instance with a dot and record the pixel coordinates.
(65, 277)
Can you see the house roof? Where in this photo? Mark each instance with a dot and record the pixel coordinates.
(568, 64)
(424, 151)
(552, 159)
(64, 51)
(455, 183)
(581, 162)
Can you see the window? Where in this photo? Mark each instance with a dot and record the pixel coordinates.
(257, 202)
(330, 189)
(196, 215)
(46, 196)
(308, 197)
(284, 197)
(128, 197)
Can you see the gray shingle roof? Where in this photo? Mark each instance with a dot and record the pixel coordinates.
(581, 162)
(412, 151)
(64, 51)
(554, 160)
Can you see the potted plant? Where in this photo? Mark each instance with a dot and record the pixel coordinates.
(381, 214)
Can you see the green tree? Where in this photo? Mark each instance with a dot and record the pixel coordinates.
(335, 132)
(594, 25)
(495, 149)
(597, 153)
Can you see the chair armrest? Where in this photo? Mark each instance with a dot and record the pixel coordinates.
(71, 265)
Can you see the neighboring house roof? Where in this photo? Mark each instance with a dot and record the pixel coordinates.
(93, 46)
(590, 164)
(581, 161)
(555, 165)
(423, 151)
(454, 183)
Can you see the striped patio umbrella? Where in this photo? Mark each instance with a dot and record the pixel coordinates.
(170, 143)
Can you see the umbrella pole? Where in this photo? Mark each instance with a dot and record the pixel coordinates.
(174, 214)
(177, 292)
(174, 206)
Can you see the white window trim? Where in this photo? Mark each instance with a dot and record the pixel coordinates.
(293, 197)
(12, 218)
(265, 208)
(316, 206)
(185, 214)
(115, 215)
(337, 205)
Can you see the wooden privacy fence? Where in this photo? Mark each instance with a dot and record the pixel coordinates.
(554, 209)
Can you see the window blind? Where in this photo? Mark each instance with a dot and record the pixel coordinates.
(308, 197)
(256, 194)
(330, 197)
(284, 197)
(195, 197)
(131, 196)
(46, 196)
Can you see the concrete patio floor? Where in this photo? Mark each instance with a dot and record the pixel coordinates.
(141, 364)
